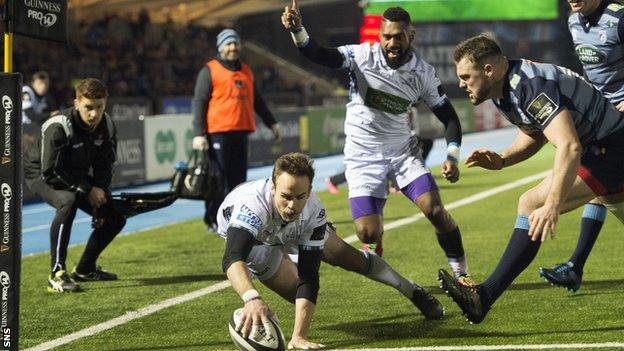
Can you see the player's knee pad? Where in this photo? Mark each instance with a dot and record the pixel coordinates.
(617, 209)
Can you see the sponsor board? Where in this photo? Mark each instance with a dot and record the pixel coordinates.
(10, 200)
(42, 19)
(167, 140)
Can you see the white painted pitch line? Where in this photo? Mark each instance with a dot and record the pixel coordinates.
(132, 315)
(606, 345)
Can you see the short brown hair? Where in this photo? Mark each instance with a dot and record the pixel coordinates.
(41, 75)
(91, 88)
(295, 164)
(476, 49)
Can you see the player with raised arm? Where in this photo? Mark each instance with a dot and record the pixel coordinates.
(276, 229)
(547, 103)
(387, 79)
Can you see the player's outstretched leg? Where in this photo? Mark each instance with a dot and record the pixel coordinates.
(476, 301)
(339, 253)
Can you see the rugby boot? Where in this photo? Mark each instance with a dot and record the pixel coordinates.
(468, 299)
(562, 275)
(428, 305)
(60, 282)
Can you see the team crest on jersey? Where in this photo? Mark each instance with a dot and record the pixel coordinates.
(590, 55)
(321, 214)
(602, 35)
(246, 215)
(542, 107)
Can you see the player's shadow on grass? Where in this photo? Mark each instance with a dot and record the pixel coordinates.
(607, 284)
(412, 326)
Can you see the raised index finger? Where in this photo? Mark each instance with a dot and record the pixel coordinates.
(295, 6)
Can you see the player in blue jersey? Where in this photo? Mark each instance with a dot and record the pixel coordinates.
(547, 103)
(598, 36)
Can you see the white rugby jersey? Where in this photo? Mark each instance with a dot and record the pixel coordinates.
(250, 206)
(381, 97)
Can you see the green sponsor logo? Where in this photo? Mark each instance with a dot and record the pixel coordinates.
(590, 55)
(385, 102)
(188, 143)
(165, 146)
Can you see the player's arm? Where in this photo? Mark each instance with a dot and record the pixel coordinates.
(453, 135)
(307, 292)
(238, 246)
(53, 149)
(522, 148)
(562, 134)
(452, 127)
(326, 56)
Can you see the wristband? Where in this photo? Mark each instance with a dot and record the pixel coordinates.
(300, 37)
(250, 295)
(452, 151)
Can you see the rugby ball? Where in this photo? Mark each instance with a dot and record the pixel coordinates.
(269, 340)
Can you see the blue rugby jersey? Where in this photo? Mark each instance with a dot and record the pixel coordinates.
(534, 93)
(599, 44)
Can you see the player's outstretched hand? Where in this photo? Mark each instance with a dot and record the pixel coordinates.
(255, 313)
(303, 344)
(485, 158)
(450, 171)
(291, 18)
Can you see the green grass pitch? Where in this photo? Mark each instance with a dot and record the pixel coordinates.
(352, 312)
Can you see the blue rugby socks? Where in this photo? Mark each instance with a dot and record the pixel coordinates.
(518, 255)
(591, 223)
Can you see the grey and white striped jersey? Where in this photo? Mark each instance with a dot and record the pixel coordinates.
(599, 44)
(381, 97)
(534, 93)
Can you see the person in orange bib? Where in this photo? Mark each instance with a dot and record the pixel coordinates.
(224, 102)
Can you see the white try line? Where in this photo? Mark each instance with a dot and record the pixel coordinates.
(606, 345)
(132, 315)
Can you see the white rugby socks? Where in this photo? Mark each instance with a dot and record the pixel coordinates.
(380, 271)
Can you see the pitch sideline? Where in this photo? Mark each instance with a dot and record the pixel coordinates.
(132, 315)
(606, 345)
